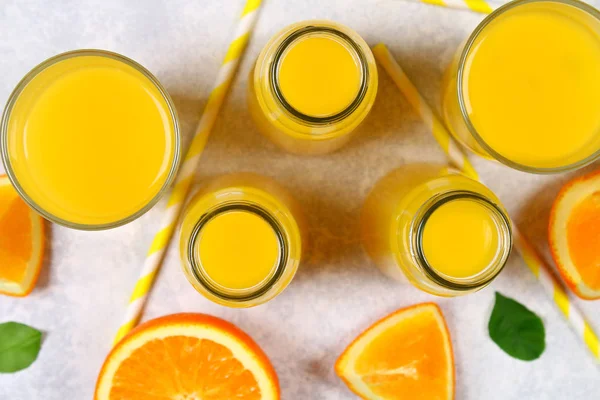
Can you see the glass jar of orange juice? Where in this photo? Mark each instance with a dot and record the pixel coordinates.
(242, 239)
(443, 232)
(312, 85)
(90, 139)
(524, 89)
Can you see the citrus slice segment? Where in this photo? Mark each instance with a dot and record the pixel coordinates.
(574, 235)
(22, 242)
(407, 355)
(187, 356)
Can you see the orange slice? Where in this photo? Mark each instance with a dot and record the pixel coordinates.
(407, 355)
(574, 235)
(187, 357)
(22, 242)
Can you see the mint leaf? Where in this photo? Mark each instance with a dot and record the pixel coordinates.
(516, 329)
(19, 346)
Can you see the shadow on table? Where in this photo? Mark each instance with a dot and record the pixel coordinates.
(236, 145)
(44, 277)
(391, 109)
(334, 234)
(390, 115)
(189, 109)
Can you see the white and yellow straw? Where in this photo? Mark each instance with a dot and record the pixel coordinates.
(480, 6)
(551, 284)
(186, 174)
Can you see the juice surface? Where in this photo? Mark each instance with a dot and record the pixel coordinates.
(532, 84)
(460, 238)
(238, 249)
(319, 76)
(91, 140)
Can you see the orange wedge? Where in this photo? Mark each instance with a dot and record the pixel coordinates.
(187, 357)
(22, 242)
(407, 355)
(574, 235)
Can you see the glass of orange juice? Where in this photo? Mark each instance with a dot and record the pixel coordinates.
(439, 230)
(90, 139)
(525, 87)
(312, 85)
(242, 239)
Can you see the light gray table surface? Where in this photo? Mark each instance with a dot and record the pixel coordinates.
(88, 276)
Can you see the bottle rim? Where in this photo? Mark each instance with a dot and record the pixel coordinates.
(278, 58)
(488, 274)
(220, 292)
(301, 128)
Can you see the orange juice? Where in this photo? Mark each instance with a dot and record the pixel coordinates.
(311, 86)
(460, 238)
(526, 88)
(238, 249)
(319, 76)
(242, 239)
(91, 139)
(443, 232)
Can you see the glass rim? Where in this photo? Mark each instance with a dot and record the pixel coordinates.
(275, 65)
(461, 98)
(4, 137)
(239, 296)
(489, 274)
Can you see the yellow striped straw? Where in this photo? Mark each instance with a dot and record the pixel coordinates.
(551, 284)
(480, 6)
(186, 174)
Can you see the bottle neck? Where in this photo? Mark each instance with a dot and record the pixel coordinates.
(199, 272)
(502, 231)
(326, 32)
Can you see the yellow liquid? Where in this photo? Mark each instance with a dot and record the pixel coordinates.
(91, 140)
(238, 249)
(318, 76)
(460, 239)
(532, 85)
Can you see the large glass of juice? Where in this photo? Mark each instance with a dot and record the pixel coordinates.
(90, 139)
(525, 87)
(441, 231)
(242, 239)
(312, 85)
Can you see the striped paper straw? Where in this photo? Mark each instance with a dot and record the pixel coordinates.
(551, 284)
(480, 6)
(186, 174)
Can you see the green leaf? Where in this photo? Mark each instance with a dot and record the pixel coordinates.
(516, 329)
(19, 346)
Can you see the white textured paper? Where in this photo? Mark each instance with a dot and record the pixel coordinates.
(88, 277)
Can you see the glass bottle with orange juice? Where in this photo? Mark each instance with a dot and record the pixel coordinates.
(443, 232)
(311, 86)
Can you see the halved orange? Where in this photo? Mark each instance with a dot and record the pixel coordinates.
(407, 355)
(574, 235)
(187, 357)
(22, 242)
